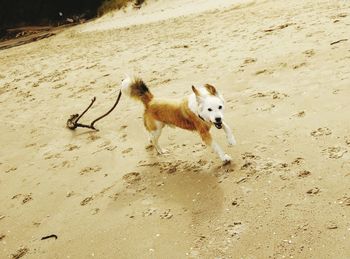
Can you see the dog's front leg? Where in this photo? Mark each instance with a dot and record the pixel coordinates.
(229, 135)
(206, 137)
(217, 149)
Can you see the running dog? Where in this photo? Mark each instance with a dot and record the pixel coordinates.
(197, 112)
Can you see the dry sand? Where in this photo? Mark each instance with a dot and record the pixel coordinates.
(287, 192)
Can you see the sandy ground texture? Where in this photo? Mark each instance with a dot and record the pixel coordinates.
(284, 69)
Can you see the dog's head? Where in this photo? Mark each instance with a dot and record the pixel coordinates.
(210, 105)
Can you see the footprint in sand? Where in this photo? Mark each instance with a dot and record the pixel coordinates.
(71, 147)
(347, 141)
(70, 194)
(334, 152)
(20, 253)
(10, 170)
(128, 150)
(344, 201)
(25, 197)
(298, 161)
(236, 202)
(123, 127)
(86, 201)
(250, 165)
(304, 173)
(281, 167)
(223, 171)
(321, 132)
(94, 211)
(299, 65)
(149, 212)
(88, 170)
(309, 53)
(313, 191)
(123, 137)
(66, 164)
(264, 71)
(104, 144)
(49, 156)
(58, 86)
(300, 114)
(273, 94)
(93, 136)
(131, 178)
(249, 61)
(235, 229)
(166, 214)
(30, 145)
(248, 155)
(278, 95)
(278, 28)
(331, 225)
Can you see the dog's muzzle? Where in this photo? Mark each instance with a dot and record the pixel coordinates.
(218, 125)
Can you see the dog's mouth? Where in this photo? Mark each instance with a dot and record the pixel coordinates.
(218, 125)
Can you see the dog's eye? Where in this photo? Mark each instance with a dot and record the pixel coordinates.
(210, 109)
(220, 107)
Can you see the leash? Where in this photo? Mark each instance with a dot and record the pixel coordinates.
(72, 122)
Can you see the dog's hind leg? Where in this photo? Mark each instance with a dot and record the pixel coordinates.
(155, 129)
(154, 136)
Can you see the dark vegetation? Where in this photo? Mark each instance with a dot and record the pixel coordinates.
(17, 13)
(24, 21)
(109, 5)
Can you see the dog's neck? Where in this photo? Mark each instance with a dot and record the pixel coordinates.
(193, 106)
(201, 117)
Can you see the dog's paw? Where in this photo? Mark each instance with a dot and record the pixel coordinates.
(226, 159)
(149, 146)
(162, 151)
(231, 141)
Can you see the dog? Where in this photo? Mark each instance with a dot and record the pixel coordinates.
(197, 112)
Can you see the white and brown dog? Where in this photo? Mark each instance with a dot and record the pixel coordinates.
(196, 112)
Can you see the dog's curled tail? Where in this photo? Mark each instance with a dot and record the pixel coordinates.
(137, 89)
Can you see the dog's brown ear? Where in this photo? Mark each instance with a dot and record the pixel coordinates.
(211, 89)
(194, 89)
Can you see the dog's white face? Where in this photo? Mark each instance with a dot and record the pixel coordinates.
(211, 108)
(210, 105)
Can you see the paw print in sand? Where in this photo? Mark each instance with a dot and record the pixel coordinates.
(321, 132)
(334, 152)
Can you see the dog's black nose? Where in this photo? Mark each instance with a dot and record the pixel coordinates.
(218, 120)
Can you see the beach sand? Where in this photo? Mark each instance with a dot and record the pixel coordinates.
(283, 68)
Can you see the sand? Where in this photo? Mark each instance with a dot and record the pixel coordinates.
(285, 76)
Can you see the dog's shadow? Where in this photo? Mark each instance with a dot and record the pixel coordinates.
(184, 187)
